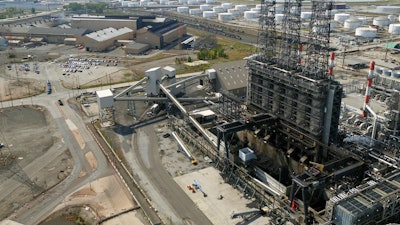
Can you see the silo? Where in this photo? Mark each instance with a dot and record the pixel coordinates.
(225, 17)
(209, 14)
(218, 9)
(227, 5)
(341, 17)
(251, 14)
(381, 21)
(352, 23)
(183, 2)
(234, 12)
(366, 32)
(241, 8)
(205, 7)
(394, 28)
(183, 9)
(210, 1)
(195, 12)
(305, 15)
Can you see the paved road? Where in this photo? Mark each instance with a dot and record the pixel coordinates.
(169, 199)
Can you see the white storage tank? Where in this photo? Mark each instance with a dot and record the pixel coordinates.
(341, 17)
(209, 14)
(195, 12)
(305, 15)
(387, 73)
(227, 5)
(396, 74)
(164, 2)
(133, 4)
(211, 1)
(279, 18)
(183, 9)
(394, 28)
(234, 12)
(381, 21)
(218, 9)
(124, 3)
(225, 17)
(192, 2)
(183, 2)
(378, 70)
(241, 8)
(352, 23)
(205, 7)
(366, 32)
(251, 14)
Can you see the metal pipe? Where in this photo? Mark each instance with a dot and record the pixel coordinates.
(374, 125)
(131, 87)
(186, 80)
(166, 99)
(368, 88)
(182, 145)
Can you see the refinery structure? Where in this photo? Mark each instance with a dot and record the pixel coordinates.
(293, 145)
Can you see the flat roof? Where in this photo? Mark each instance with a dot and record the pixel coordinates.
(104, 93)
(108, 33)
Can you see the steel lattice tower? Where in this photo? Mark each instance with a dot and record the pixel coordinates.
(267, 34)
(316, 59)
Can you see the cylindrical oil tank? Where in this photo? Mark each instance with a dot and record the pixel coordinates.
(381, 21)
(241, 8)
(164, 2)
(227, 5)
(209, 14)
(211, 1)
(387, 73)
(305, 15)
(341, 17)
(391, 18)
(388, 9)
(279, 18)
(218, 9)
(251, 14)
(366, 32)
(183, 2)
(394, 28)
(234, 12)
(195, 12)
(225, 17)
(378, 70)
(182, 9)
(396, 74)
(124, 3)
(352, 23)
(133, 4)
(205, 7)
(192, 2)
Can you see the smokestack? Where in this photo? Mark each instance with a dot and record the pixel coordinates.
(368, 89)
(331, 64)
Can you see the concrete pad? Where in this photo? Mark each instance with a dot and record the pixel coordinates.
(218, 211)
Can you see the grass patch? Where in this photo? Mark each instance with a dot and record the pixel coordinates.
(191, 69)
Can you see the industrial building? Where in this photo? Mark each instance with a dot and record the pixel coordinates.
(95, 23)
(106, 39)
(161, 35)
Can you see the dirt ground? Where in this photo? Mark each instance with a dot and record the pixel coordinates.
(29, 135)
(21, 88)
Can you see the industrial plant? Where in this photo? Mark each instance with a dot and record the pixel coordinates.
(292, 144)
